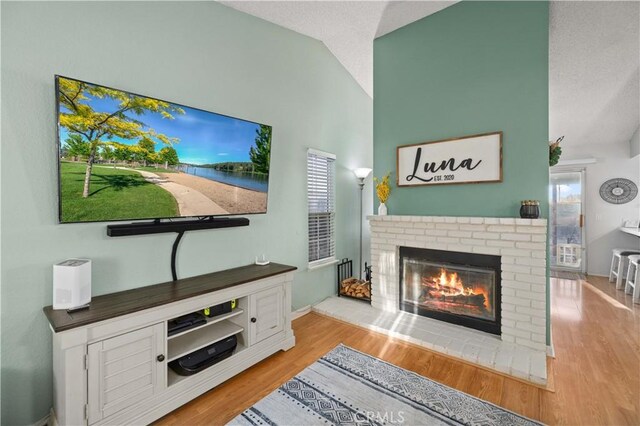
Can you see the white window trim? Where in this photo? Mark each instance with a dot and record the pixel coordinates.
(321, 263)
(321, 153)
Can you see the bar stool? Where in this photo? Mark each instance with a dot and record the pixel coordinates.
(619, 265)
(633, 272)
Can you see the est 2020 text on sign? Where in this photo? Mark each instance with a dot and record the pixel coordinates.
(468, 159)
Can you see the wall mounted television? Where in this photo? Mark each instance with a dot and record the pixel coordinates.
(123, 156)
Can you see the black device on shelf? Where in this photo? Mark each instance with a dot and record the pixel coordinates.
(205, 357)
(222, 308)
(185, 322)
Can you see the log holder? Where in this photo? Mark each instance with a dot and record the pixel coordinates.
(345, 271)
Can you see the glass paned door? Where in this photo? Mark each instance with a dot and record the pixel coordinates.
(566, 220)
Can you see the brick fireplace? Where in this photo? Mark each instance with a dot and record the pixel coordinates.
(519, 244)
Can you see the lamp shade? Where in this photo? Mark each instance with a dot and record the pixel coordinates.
(362, 172)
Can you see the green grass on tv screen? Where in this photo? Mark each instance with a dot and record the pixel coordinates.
(115, 194)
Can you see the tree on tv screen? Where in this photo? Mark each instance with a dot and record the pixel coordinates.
(260, 153)
(75, 146)
(148, 149)
(169, 155)
(97, 127)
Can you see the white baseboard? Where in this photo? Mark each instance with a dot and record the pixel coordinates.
(300, 312)
(53, 420)
(550, 351)
(45, 420)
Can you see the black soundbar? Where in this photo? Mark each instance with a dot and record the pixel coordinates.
(179, 226)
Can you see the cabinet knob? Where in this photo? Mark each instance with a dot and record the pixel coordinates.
(160, 358)
(253, 319)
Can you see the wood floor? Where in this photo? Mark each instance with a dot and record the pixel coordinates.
(596, 372)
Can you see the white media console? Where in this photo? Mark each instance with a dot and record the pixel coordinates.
(110, 362)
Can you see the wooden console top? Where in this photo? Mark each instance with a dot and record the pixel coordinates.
(125, 302)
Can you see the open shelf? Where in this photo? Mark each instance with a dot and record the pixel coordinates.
(210, 321)
(200, 337)
(174, 378)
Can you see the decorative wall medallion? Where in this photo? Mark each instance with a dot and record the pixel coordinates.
(468, 159)
(618, 191)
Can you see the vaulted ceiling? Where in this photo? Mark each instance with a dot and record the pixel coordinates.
(594, 54)
(347, 28)
(594, 62)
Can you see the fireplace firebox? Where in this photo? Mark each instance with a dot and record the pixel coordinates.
(460, 288)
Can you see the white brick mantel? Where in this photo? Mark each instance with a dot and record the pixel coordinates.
(521, 244)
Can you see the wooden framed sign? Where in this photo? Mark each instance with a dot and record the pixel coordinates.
(468, 159)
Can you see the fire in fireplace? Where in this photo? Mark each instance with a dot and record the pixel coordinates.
(461, 288)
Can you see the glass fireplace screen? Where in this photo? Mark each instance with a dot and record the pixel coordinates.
(455, 289)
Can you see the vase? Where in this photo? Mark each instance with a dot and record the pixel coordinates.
(382, 209)
(530, 209)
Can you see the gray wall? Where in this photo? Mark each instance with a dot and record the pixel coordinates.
(603, 219)
(634, 143)
(199, 54)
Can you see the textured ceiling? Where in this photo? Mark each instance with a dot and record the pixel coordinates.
(594, 54)
(347, 28)
(594, 58)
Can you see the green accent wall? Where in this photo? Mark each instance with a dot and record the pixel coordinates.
(474, 67)
(200, 54)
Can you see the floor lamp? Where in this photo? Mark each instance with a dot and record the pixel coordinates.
(361, 174)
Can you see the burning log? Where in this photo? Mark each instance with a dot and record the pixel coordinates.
(460, 299)
(356, 288)
(432, 284)
(434, 290)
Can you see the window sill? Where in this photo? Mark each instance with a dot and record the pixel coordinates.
(321, 263)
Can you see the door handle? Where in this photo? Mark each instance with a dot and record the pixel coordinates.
(581, 220)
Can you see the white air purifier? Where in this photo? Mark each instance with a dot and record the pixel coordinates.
(71, 284)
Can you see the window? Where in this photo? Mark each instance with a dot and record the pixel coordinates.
(321, 202)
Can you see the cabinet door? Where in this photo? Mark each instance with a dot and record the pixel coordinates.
(267, 313)
(124, 370)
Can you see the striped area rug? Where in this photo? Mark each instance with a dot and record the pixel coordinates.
(347, 387)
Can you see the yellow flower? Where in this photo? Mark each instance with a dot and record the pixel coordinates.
(382, 188)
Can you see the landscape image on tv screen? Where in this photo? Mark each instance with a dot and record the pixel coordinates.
(124, 156)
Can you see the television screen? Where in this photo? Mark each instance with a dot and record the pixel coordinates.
(124, 156)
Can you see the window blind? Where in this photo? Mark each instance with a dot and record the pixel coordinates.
(321, 203)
